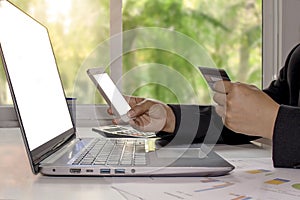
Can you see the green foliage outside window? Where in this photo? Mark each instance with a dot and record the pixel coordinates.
(230, 31)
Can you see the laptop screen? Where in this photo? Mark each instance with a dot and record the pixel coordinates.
(33, 76)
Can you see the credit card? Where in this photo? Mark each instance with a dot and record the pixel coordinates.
(212, 75)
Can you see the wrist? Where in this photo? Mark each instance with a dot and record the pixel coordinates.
(272, 118)
(170, 120)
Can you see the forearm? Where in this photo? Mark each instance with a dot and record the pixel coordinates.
(286, 137)
(203, 124)
(187, 123)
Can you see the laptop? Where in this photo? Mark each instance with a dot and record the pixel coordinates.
(46, 125)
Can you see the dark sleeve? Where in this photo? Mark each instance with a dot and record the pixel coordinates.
(286, 138)
(285, 91)
(202, 124)
(279, 89)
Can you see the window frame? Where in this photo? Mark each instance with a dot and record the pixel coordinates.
(272, 43)
(91, 115)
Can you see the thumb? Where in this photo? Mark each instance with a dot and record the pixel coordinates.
(140, 109)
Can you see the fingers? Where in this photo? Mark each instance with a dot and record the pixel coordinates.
(146, 115)
(119, 121)
(220, 98)
(221, 111)
(223, 87)
(140, 109)
(139, 113)
(141, 123)
(132, 101)
(154, 119)
(109, 111)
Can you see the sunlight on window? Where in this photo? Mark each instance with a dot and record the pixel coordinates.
(229, 31)
(59, 10)
(76, 28)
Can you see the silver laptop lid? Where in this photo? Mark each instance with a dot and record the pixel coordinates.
(35, 83)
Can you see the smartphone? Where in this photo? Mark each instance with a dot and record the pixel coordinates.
(110, 92)
(212, 75)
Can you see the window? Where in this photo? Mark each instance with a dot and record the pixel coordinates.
(76, 28)
(228, 34)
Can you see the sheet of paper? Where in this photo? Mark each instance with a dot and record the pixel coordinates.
(244, 183)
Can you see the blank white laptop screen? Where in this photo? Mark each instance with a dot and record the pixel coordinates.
(43, 112)
(31, 64)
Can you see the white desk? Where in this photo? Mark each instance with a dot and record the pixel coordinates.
(18, 182)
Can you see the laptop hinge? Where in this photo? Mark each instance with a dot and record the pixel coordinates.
(55, 148)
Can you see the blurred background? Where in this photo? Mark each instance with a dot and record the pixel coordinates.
(229, 31)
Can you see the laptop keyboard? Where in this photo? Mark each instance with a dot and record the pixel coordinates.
(113, 152)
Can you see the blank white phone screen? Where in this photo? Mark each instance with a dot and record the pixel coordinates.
(112, 93)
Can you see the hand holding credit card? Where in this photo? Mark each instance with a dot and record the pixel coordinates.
(212, 75)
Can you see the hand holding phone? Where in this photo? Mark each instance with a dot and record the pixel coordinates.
(110, 92)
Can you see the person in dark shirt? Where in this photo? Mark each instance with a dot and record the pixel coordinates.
(246, 112)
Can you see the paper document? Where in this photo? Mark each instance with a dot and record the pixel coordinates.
(244, 183)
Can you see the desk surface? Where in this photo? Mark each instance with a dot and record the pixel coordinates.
(253, 178)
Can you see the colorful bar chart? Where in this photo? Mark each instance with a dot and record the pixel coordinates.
(277, 181)
(240, 197)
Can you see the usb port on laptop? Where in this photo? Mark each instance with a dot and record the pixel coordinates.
(104, 171)
(75, 171)
(119, 171)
